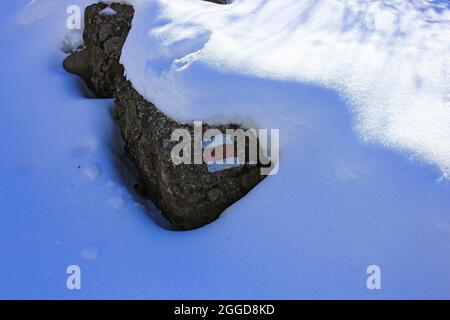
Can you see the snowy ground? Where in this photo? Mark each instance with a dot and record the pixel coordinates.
(361, 178)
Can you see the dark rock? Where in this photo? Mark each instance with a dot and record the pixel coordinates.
(98, 61)
(219, 1)
(78, 63)
(188, 195)
(250, 179)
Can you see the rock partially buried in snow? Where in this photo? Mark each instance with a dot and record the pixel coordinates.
(117, 202)
(98, 61)
(188, 195)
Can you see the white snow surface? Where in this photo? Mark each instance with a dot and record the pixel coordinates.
(390, 60)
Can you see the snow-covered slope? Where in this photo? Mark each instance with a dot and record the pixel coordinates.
(337, 205)
(389, 59)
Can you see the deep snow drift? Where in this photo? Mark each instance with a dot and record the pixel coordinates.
(337, 204)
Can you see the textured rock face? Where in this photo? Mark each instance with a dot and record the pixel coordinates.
(98, 62)
(188, 195)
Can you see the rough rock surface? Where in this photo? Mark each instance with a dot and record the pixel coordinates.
(98, 61)
(188, 195)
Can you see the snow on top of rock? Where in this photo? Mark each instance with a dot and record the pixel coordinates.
(391, 61)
